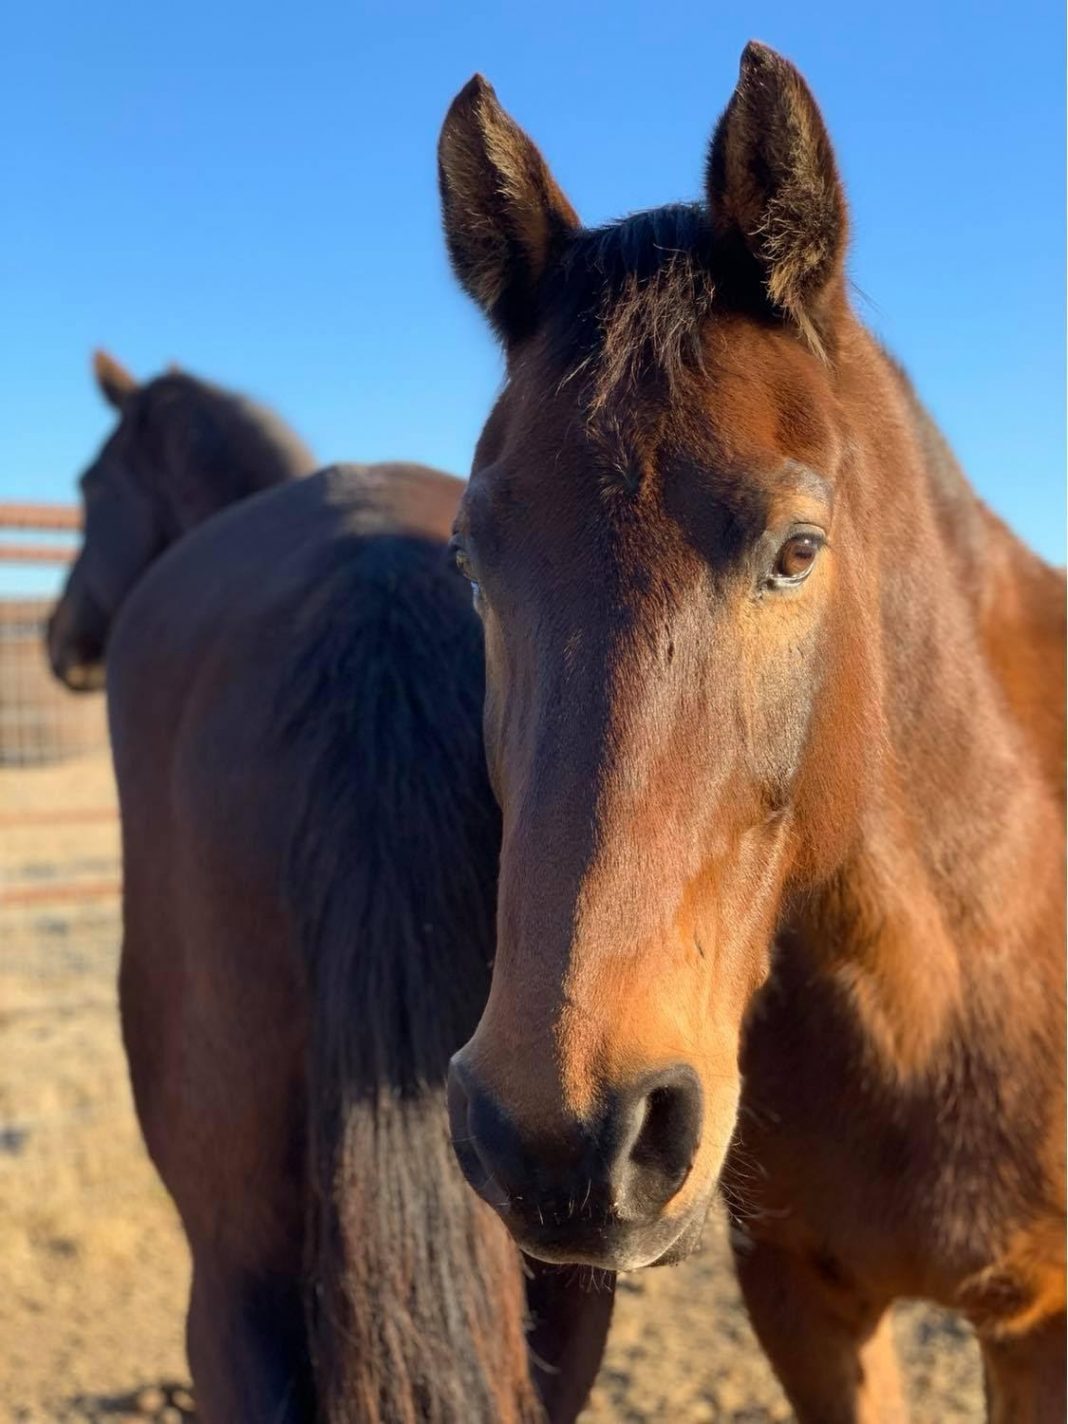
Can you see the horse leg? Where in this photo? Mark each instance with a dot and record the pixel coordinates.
(217, 1081)
(1025, 1375)
(569, 1320)
(247, 1346)
(833, 1354)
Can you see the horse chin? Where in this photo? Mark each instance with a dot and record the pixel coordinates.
(687, 1243)
(666, 1243)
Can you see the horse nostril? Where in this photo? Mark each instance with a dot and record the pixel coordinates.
(482, 1135)
(457, 1102)
(665, 1133)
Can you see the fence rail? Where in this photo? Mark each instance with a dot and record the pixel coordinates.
(35, 554)
(40, 516)
(59, 816)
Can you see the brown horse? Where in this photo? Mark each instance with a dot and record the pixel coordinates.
(310, 849)
(774, 714)
(183, 449)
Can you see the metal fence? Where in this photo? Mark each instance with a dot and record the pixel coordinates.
(59, 852)
(40, 722)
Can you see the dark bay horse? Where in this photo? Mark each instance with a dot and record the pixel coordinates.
(310, 850)
(183, 449)
(775, 717)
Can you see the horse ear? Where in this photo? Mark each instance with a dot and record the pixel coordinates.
(505, 217)
(115, 382)
(773, 183)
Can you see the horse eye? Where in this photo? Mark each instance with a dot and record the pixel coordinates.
(463, 563)
(460, 559)
(796, 557)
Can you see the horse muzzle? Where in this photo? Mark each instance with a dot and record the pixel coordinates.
(592, 1193)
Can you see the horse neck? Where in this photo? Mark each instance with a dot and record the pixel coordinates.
(219, 451)
(955, 862)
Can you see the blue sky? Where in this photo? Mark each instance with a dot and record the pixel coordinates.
(250, 190)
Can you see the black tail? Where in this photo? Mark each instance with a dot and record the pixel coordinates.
(416, 1303)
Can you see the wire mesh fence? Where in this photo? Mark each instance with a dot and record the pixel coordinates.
(86, 1231)
(59, 873)
(40, 722)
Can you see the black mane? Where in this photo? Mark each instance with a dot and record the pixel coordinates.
(601, 261)
(632, 295)
(208, 448)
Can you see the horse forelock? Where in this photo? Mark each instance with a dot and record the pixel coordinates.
(631, 299)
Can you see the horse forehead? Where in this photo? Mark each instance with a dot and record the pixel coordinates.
(625, 496)
(757, 407)
(728, 441)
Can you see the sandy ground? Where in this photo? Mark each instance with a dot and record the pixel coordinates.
(93, 1270)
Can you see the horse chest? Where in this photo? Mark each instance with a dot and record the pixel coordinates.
(891, 1188)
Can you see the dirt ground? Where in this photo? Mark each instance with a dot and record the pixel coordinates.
(93, 1270)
